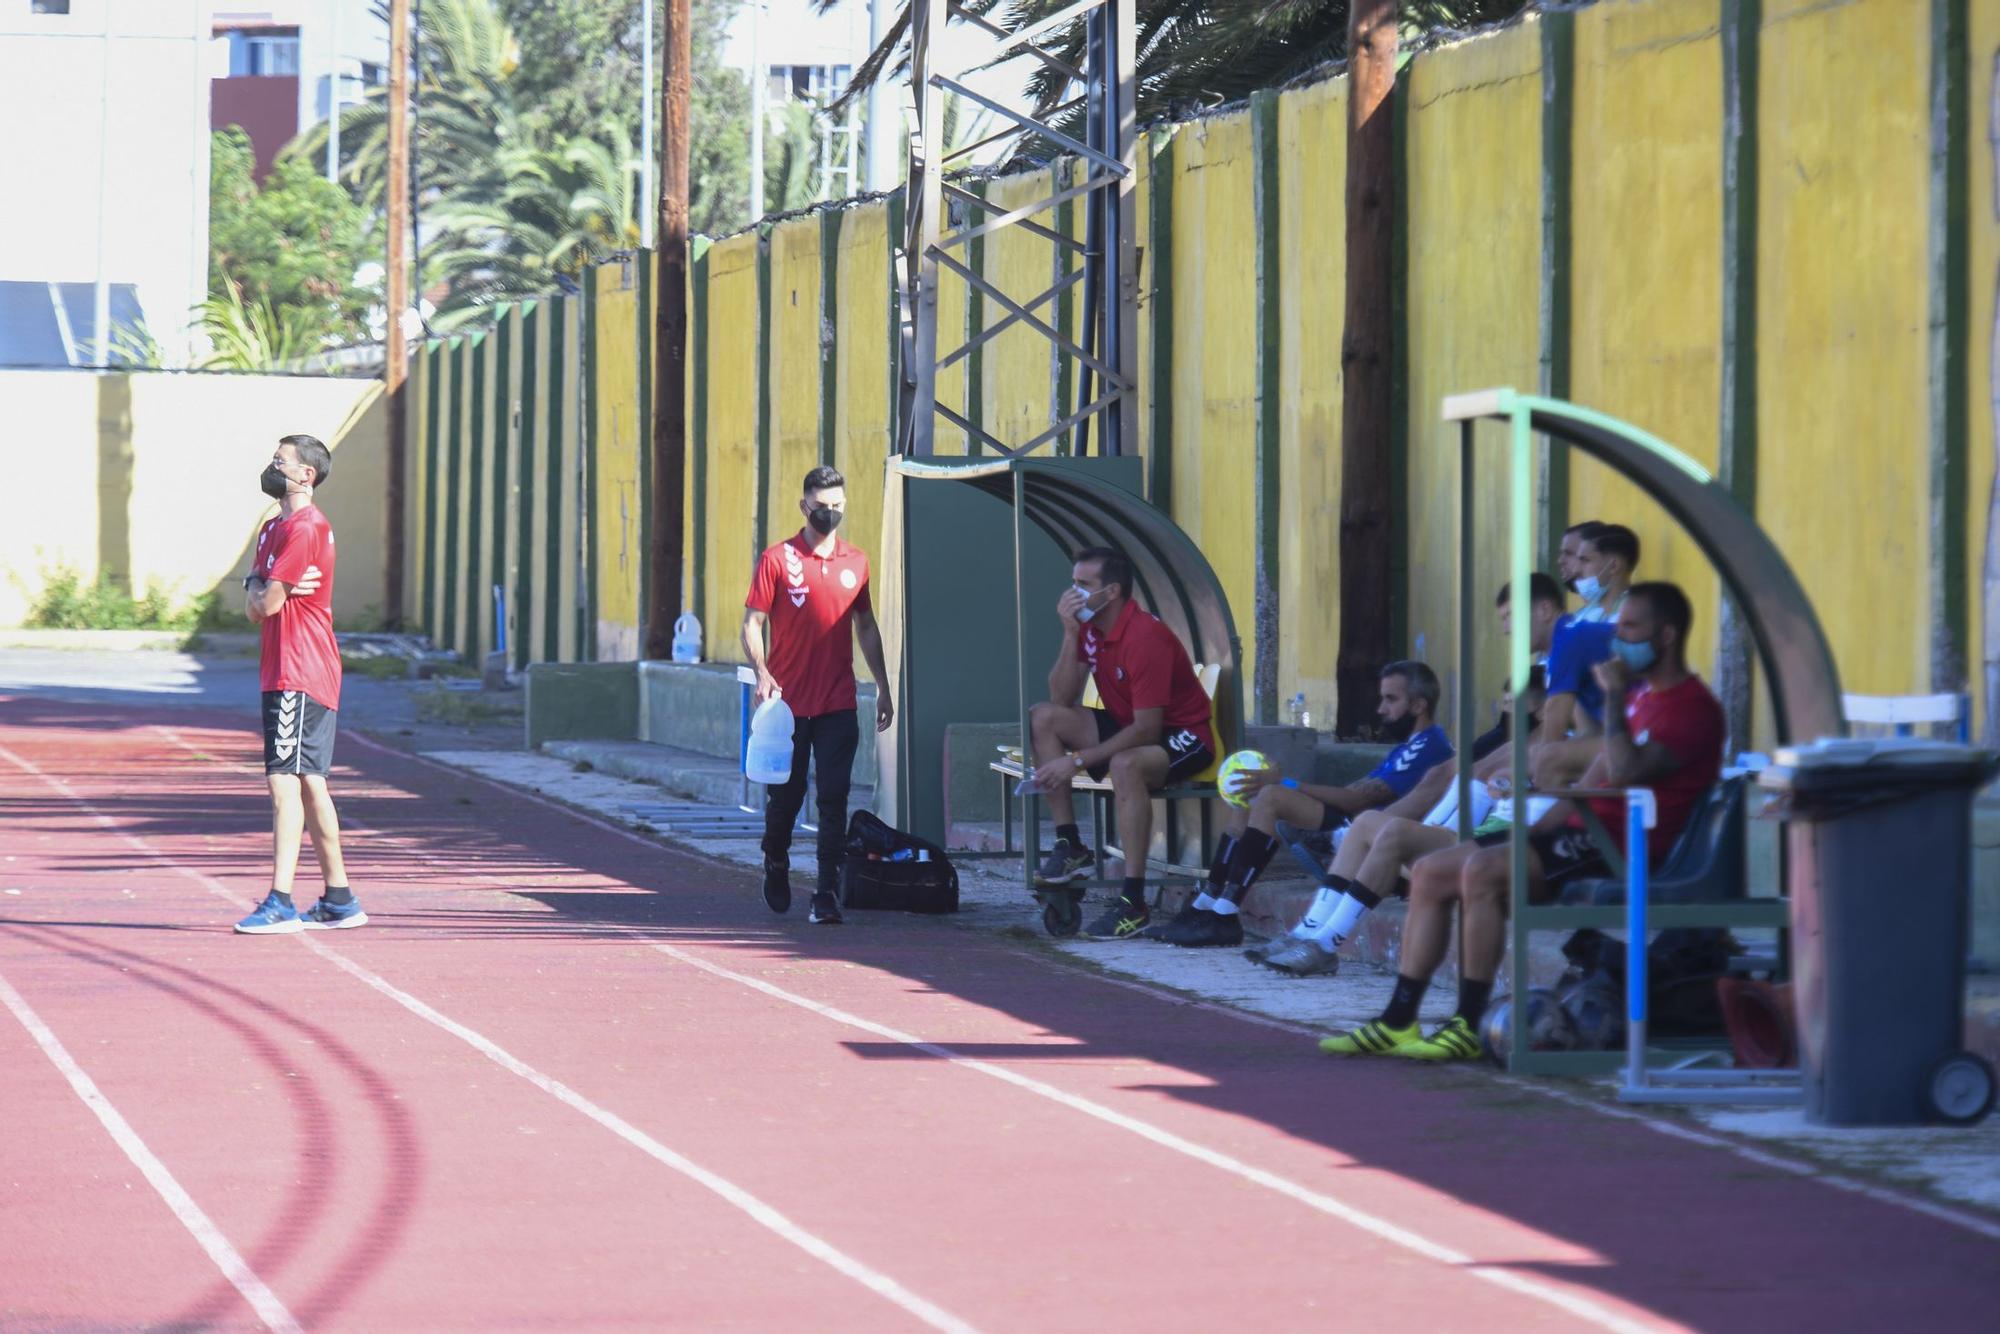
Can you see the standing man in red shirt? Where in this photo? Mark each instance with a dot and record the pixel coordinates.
(1152, 732)
(811, 591)
(289, 593)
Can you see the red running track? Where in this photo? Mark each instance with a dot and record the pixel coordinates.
(571, 1077)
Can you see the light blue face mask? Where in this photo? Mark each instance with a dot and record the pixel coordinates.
(1086, 612)
(1639, 656)
(1591, 589)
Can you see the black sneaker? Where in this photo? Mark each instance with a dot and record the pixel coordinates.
(1120, 921)
(825, 910)
(1164, 931)
(1214, 928)
(1065, 862)
(777, 888)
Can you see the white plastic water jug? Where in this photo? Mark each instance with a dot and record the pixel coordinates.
(769, 757)
(687, 638)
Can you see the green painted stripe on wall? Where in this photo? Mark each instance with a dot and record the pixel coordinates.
(1160, 318)
(586, 606)
(1269, 301)
(896, 407)
(503, 464)
(1061, 365)
(698, 430)
(1558, 33)
(763, 515)
(975, 322)
(1950, 321)
(1736, 463)
(454, 470)
(433, 512)
(558, 379)
(525, 581)
(477, 516)
(646, 263)
(829, 323)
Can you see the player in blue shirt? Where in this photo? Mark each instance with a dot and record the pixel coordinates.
(1571, 732)
(1408, 710)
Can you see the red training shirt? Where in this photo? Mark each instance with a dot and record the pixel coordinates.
(811, 601)
(1140, 664)
(299, 652)
(1688, 721)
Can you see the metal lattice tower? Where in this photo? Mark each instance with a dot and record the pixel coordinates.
(1105, 360)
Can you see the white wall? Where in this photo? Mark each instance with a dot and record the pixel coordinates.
(65, 91)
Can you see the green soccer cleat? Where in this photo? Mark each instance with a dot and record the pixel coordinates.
(1373, 1038)
(1453, 1041)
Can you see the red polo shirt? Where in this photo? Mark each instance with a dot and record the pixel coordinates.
(299, 650)
(1140, 664)
(1688, 720)
(811, 601)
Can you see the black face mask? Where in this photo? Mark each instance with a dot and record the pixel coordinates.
(824, 520)
(273, 481)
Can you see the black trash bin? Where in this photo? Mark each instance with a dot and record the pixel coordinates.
(1880, 842)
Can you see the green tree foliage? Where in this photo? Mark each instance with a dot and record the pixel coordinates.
(292, 245)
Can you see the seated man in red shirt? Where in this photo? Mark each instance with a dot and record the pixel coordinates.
(1152, 732)
(1662, 730)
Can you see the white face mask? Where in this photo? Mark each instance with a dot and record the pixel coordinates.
(1086, 611)
(1591, 589)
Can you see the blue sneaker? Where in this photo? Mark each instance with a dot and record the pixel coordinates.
(324, 916)
(272, 917)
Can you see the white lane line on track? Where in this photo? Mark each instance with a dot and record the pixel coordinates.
(1673, 1130)
(874, 1280)
(198, 1224)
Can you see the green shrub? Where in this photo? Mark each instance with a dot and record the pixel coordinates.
(66, 602)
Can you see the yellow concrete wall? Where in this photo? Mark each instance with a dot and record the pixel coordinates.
(1015, 364)
(1646, 333)
(1312, 171)
(129, 471)
(1983, 194)
(795, 370)
(1475, 226)
(1842, 309)
(1215, 367)
(732, 439)
(616, 506)
(861, 368)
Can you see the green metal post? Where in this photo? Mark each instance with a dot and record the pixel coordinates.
(1160, 319)
(1558, 33)
(1521, 564)
(1950, 297)
(434, 354)
(1270, 300)
(558, 316)
(975, 323)
(524, 592)
(586, 604)
(829, 340)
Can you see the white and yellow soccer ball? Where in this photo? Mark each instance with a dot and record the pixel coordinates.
(1230, 776)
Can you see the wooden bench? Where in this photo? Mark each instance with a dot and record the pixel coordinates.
(1012, 770)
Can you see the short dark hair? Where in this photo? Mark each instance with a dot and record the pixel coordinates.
(1668, 604)
(1583, 528)
(313, 455)
(1615, 539)
(1423, 681)
(1541, 588)
(823, 478)
(1112, 566)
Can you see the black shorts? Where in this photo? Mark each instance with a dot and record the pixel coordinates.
(1186, 753)
(298, 734)
(1566, 854)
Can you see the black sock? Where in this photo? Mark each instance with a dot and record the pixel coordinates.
(1409, 994)
(1071, 833)
(1363, 895)
(339, 895)
(1218, 870)
(285, 899)
(1135, 891)
(1253, 853)
(1472, 998)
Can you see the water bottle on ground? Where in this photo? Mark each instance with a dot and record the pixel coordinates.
(687, 638)
(1301, 716)
(769, 757)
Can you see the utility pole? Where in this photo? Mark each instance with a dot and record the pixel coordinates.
(670, 336)
(397, 195)
(1367, 594)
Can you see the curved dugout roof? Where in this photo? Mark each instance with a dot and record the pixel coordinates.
(1798, 664)
(1077, 509)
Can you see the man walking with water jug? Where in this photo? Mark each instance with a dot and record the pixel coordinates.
(811, 591)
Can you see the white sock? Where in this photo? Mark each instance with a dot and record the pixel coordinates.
(1223, 908)
(1322, 907)
(1340, 925)
(1204, 902)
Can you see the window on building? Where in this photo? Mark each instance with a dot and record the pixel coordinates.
(49, 7)
(263, 53)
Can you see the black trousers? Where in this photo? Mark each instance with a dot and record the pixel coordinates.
(828, 742)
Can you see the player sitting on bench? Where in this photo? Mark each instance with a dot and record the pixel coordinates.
(1408, 710)
(1664, 731)
(1152, 732)
(1380, 843)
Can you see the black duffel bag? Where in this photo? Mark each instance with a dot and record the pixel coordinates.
(888, 869)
